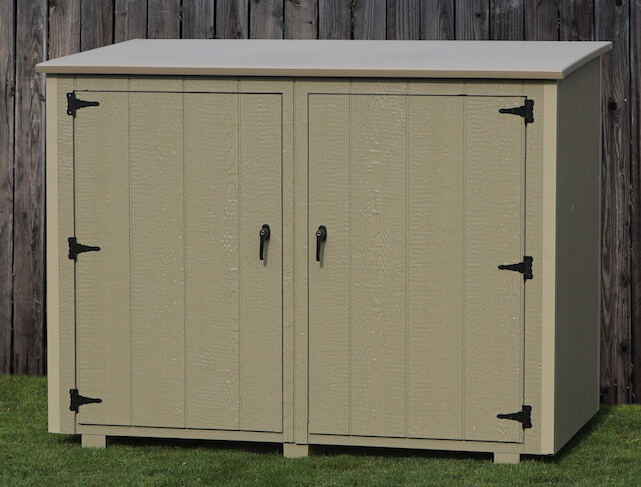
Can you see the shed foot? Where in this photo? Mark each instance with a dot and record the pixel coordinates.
(294, 450)
(507, 457)
(94, 441)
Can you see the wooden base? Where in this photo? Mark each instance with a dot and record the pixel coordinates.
(94, 441)
(507, 457)
(293, 450)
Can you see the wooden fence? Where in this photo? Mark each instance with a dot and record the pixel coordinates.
(34, 30)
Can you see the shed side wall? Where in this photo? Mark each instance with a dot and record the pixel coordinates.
(577, 261)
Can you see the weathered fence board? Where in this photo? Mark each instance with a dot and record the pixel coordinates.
(473, 19)
(28, 222)
(82, 24)
(369, 18)
(577, 20)
(404, 19)
(541, 20)
(506, 20)
(64, 28)
(437, 19)
(612, 22)
(96, 23)
(130, 20)
(198, 19)
(7, 56)
(266, 19)
(635, 195)
(334, 19)
(163, 19)
(301, 19)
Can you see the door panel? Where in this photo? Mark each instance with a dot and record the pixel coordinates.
(408, 294)
(435, 225)
(494, 234)
(175, 187)
(261, 295)
(157, 259)
(378, 318)
(102, 278)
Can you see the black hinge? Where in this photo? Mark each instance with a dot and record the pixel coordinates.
(77, 400)
(526, 111)
(524, 267)
(74, 104)
(76, 248)
(524, 416)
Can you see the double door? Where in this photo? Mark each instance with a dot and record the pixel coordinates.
(178, 316)
(414, 331)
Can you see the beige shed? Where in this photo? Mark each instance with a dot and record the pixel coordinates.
(370, 243)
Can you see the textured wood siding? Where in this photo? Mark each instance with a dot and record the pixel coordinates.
(577, 262)
(408, 334)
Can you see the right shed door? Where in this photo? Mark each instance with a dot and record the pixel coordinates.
(414, 331)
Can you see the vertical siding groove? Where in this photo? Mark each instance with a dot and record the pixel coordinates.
(350, 258)
(185, 280)
(463, 267)
(131, 327)
(407, 212)
(240, 262)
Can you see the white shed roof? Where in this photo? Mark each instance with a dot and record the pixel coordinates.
(336, 58)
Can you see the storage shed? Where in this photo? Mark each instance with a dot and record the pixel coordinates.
(366, 243)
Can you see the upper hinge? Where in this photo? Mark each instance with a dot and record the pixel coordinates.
(524, 416)
(526, 111)
(77, 400)
(76, 248)
(524, 267)
(74, 104)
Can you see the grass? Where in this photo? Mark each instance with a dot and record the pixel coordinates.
(607, 452)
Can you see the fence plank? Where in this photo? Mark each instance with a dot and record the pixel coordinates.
(28, 234)
(577, 20)
(130, 20)
(96, 23)
(541, 20)
(301, 19)
(437, 19)
(232, 19)
(635, 195)
(7, 55)
(369, 19)
(163, 19)
(198, 19)
(64, 28)
(473, 19)
(404, 19)
(266, 19)
(506, 20)
(334, 19)
(612, 22)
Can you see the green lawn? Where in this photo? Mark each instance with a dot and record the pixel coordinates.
(607, 452)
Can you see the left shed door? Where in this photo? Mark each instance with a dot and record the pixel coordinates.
(178, 322)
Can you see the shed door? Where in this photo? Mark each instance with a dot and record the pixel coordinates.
(414, 331)
(178, 321)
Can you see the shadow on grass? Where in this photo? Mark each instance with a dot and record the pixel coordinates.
(334, 450)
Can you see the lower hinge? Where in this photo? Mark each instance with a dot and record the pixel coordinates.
(524, 416)
(77, 400)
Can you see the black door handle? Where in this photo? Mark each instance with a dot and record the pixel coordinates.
(264, 236)
(321, 236)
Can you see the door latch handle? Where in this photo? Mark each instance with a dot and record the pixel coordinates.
(264, 236)
(321, 236)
